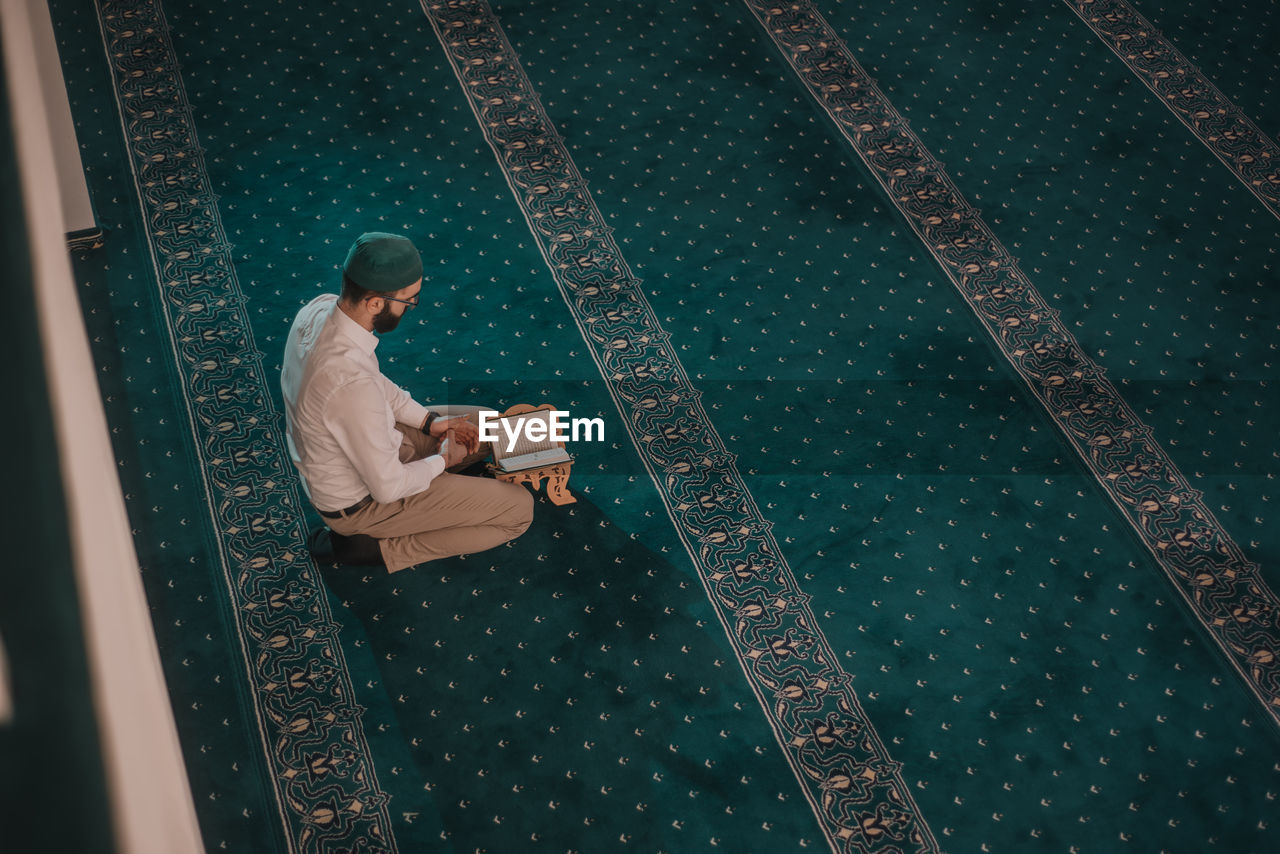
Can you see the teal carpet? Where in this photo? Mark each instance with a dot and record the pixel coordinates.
(934, 349)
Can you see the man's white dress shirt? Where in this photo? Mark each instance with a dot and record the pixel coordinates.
(341, 412)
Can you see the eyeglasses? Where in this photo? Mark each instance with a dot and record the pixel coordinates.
(412, 303)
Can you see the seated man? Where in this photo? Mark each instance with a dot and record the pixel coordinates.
(376, 464)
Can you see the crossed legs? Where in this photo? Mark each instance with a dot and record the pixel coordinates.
(455, 515)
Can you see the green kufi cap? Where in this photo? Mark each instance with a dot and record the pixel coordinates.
(383, 262)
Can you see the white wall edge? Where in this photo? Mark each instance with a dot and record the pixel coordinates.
(150, 797)
(73, 188)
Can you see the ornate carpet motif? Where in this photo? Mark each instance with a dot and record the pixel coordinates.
(325, 787)
(1223, 589)
(854, 786)
(1250, 154)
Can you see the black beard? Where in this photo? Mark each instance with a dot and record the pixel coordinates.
(385, 321)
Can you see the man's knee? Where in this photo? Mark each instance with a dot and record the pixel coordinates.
(521, 513)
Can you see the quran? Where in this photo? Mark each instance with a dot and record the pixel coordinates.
(526, 441)
(529, 449)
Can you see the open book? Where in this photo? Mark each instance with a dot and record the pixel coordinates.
(516, 451)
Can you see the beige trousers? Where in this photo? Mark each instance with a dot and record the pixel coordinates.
(455, 515)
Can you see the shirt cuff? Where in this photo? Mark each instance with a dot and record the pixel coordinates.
(412, 413)
(436, 465)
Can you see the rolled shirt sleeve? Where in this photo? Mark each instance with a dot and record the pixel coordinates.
(375, 454)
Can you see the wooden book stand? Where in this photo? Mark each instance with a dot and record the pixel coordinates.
(557, 474)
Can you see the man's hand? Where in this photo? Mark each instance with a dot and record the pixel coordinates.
(460, 428)
(453, 452)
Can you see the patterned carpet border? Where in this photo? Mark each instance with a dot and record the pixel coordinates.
(844, 769)
(1225, 592)
(322, 775)
(1252, 156)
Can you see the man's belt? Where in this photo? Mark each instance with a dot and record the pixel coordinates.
(346, 511)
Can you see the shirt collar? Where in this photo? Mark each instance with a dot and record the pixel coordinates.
(358, 335)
